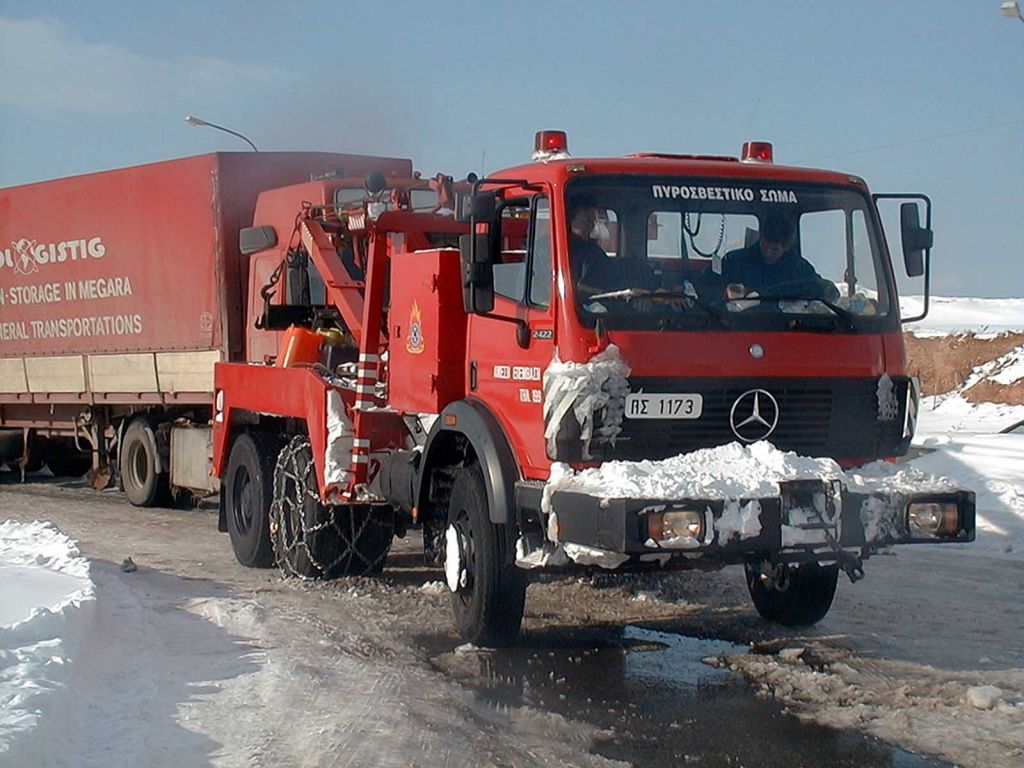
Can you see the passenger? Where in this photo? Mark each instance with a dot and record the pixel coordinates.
(771, 266)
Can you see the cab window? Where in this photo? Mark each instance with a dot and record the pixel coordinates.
(523, 273)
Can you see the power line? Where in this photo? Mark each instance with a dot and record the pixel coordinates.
(910, 141)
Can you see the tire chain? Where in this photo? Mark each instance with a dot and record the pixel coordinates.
(346, 526)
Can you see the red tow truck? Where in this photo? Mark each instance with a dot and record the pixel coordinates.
(345, 350)
(452, 359)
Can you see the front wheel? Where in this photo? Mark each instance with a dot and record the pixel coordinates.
(794, 596)
(488, 591)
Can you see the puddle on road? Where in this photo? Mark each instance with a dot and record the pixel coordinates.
(659, 703)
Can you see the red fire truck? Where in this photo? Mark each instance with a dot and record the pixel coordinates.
(574, 312)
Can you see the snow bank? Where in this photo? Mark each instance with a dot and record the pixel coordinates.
(970, 718)
(958, 315)
(961, 440)
(46, 601)
(948, 415)
(993, 467)
(1009, 368)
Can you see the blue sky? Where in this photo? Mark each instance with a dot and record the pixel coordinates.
(89, 86)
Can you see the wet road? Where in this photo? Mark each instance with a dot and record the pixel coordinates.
(645, 695)
(655, 700)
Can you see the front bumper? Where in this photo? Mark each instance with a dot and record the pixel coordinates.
(808, 519)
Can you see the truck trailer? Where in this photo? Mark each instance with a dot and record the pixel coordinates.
(119, 291)
(539, 369)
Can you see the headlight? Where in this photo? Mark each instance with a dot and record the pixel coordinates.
(932, 519)
(676, 524)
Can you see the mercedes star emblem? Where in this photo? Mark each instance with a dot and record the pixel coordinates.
(754, 415)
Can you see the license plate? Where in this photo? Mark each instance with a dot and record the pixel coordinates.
(642, 406)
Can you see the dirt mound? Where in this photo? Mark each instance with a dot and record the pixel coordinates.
(946, 363)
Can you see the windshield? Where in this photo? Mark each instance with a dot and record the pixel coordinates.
(655, 252)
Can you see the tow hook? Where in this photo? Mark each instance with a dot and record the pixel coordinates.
(852, 565)
(774, 576)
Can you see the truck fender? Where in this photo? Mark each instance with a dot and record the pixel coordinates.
(150, 438)
(474, 421)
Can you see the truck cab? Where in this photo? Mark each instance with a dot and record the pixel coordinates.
(659, 275)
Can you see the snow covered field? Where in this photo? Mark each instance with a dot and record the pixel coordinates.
(156, 667)
(947, 314)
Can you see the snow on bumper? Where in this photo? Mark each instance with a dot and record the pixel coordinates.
(720, 504)
(806, 517)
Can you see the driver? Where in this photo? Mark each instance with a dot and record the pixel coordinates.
(595, 271)
(772, 266)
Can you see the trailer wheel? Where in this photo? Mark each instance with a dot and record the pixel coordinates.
(488, 591)
(801, 597)
(317, 541)
(137, 461)
(248, 490)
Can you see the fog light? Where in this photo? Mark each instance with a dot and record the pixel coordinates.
(677, 524)
(932, 519)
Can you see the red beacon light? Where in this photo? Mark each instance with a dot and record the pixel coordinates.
(757, 152)
(550, 145)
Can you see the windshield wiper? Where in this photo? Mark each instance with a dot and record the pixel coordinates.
(625, 293)
(628, 294)
(836, 309)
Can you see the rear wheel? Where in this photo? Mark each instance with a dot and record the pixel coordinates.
(313, 540)
(488, 591)
(138, 462)
(794, 596)
(248, 490)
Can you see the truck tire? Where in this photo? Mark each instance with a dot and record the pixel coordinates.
(804, 598)
(489, 592)
(317, 541)
(248, 490)
(137, 462)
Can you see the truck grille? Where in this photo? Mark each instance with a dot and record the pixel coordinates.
(819, 417)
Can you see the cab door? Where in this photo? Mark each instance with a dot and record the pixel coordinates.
(510, 348)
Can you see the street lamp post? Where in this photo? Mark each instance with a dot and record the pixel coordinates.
(196, 122)
(1011, 10)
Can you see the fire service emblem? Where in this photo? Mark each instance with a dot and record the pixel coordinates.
(414, 341)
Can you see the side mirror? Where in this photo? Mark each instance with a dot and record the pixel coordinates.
(477, 272)
(478, 249)
(475, 205)
(253, 239)
(916, 239)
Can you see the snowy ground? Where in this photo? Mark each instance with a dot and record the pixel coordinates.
(47, 608)
(948, 315)
(194, 660)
